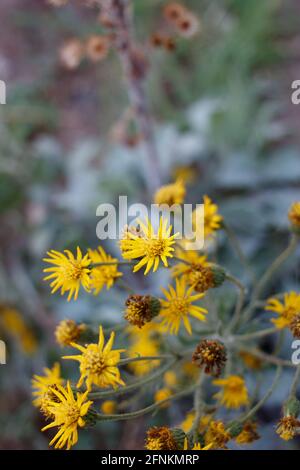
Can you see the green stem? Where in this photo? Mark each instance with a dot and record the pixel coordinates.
(129, 360)
(271, 359)
(253, 411)
(198, 402)
(237, 247)
(269, 274)
(240, 302)
(295, 382)
(139, 383)
(256, 334)
(144, 411)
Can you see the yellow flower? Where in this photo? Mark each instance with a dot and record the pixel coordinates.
(217, 436)
(41, 383)
(170, 194)
(98, 363)
(288, 427)
(188, 422)
(144, 342)
(248, 434)
(184, 173)
(234, 393)
(178, 307)
(294, 215)
(68, 414)
(212, 219)
(286, 310)
(67, 332)
(196, 446)
(69, 272)
(104, 275)
(188, 256)
(149, 246)
(163, 394)
(170, 378)
(14, 324)
(108, 407)
(160, 438)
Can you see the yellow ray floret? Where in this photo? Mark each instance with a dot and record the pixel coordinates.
(234, 392)
(105, 274)
(68, 413)
(149, 246)
(178, 306)
(98, 363)
(69, 272)
(286, 310)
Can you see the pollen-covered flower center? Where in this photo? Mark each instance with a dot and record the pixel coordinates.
(156, 248)
(290, 312)
(72, 413)
(180, 305)
(94, 361)
(73, 271)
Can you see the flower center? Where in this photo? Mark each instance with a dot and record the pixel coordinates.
(94, 361)
(73, 271)
(155, 248)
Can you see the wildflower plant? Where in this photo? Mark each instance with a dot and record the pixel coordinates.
(182, 343)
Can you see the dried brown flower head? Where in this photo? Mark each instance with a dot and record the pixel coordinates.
(141, 309)
(67, 332)
(295, 326)
(203, 278)
(212, 355)
(249, 433)
(163, 438)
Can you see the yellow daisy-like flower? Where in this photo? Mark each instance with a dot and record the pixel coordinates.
(104, 275)
(179, 306)
(41, 383)
(12, 321)
(192, 258)
(69, 272)
(98, 363)
(163, 394)
(286, 310)
(170, 194)
(294, 215)
(288, 427)
(217, 436)
(212, 219)
(68, 414)
(144, 342)
(234, 393)
(108, 407)
(149, 246)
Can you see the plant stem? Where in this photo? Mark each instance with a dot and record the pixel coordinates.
(148, 409)
(139, 383)
(240, 302)
(295, 382)
(198, 402)
(256, 334)
(237, 247)
(265, 397)
(269, 274)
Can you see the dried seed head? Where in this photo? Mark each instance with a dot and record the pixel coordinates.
(141, 309)
(206, 277)
(163, 438)
(67, 332)
(212, 355)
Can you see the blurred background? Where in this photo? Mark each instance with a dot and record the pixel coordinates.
(223, 118)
